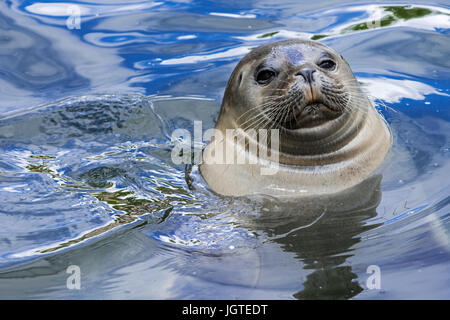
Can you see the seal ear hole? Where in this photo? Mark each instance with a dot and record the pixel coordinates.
(239, 79)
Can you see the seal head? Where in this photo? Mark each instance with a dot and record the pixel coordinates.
(328, 129)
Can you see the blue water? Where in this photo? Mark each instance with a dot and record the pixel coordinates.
(86, 176)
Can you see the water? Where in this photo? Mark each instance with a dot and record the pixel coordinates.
(86, 176)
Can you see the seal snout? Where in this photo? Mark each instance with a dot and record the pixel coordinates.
(312, 106)
(307, 74)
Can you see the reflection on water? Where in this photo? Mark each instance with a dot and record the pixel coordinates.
(384, 16)
(321, 232)
(28, 60)
(396, 14)
(88, 180)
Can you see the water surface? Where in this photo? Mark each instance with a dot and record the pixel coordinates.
(86, 176)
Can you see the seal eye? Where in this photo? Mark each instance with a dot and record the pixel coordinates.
(265, 76)
(327, 64)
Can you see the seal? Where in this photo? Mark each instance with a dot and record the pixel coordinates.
(325, 135)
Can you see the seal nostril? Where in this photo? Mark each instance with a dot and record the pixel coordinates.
(307, 74)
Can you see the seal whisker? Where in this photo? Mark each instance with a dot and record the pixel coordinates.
(253, 120)
(274, 115)
(261, 117)
(252, 109)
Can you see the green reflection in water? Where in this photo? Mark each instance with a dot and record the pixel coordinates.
(384, 22)
(42, 168)
(397, 13)
(393, 14)
(40, 165)
(34, 156)
(403, 12)
(268, 35)
(318, 36)
(126, 201)
(132, 208)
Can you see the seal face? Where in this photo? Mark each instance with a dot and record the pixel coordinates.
(331, 137)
